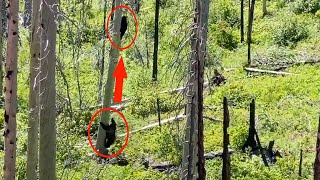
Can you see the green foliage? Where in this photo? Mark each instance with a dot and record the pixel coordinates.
(226, 11)
(238, 136)
(170, 146)
(144, 97)
(305, 6)
(223, 35)
(289, 33)
(144, 103)
(21, 164)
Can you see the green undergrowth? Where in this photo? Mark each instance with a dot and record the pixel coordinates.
(286, 106)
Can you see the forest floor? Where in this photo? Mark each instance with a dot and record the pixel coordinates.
(287, 106)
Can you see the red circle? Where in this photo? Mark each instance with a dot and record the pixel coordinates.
(107, 27)
(127, 136)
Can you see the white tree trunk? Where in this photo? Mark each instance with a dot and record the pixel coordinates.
(11, 93)
(108, 93)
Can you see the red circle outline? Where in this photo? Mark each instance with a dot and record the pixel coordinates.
(107, 27)
(127, 136)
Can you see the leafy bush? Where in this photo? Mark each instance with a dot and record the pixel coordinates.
(289, 33)
(226, 11)
(144, 102)
(305, 6)
(223, 36)
(239, 135)
(170, 147)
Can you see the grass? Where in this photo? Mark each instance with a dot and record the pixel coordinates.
(286, 106)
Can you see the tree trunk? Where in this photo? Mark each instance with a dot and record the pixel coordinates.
(264, 7)
(241, 22)
(300, 164)
(2, 14)
(47, 112)
(251, 140)
(193, 150)
(103, 54)
(226, 156)
(10, 127)
(317, 159)
(251, 13)
(156, 42)
(27, 13)
(108, 92)
(33, 130)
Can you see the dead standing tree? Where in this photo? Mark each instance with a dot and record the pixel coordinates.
(193, 151)
(108, 89)
(251, 14)
(317, 159)
(10, 126)
(226, 155)
(241, 21)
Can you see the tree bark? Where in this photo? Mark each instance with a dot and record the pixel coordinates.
(193, 151)
(156, 42)
(300, 164)
(317, 159)
(251, 140)
(242, 21)
(251, 14)
(264, 7)
(33, 130)
(108, 93)
(103, 54)
(10, 127)
(47, 110)
(226, 155)
(2, 14)
(27, 13)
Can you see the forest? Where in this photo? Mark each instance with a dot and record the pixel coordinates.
(163, 89)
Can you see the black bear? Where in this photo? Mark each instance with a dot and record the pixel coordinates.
(124, 26)
(110, 133)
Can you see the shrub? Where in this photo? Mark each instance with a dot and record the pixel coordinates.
(144, 102)
(305, 6)
(224, 37)
(170, 146)
(289, 33)
(226, 11)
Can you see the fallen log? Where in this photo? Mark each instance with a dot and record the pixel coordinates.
(181, 89)
(266, 71)
(177, 118)
(213, 155)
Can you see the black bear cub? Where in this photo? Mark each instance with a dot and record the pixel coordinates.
(110, 133)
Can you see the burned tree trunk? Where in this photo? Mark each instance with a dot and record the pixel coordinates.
(241, 22)
(317, 159)
(226, 156)
(193, 150)
(300, 164)
(251, 140)
(156, 42)
(251, 13)
(159, 112)
(261, 150)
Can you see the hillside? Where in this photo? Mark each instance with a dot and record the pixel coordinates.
(287, 106)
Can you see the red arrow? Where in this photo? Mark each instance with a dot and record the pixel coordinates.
(119, 74)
